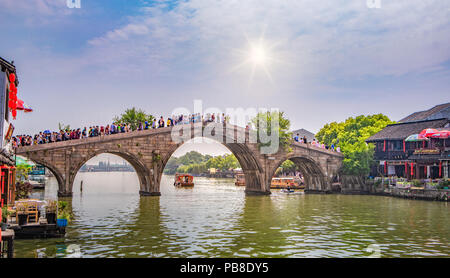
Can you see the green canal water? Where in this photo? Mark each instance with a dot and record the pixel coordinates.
(216, 219)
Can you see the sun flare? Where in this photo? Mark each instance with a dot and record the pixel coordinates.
(258, 55)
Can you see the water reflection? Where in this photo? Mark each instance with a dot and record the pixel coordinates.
(216, 219)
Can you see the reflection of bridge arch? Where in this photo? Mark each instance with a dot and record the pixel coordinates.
(149, 150)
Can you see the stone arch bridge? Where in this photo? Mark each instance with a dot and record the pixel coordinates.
(149, 150)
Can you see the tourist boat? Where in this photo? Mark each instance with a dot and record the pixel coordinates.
(282, 183)
(184, 180)
(240, 180)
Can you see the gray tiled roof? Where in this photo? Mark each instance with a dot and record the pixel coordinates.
(401, 131)
(428, 114)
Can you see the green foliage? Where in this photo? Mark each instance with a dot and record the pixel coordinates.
(195, 163)
(265, 119)
(5, 214)
(287, 167)
(444, 182)
(62, 126)
(418, 183)
(133, 117)
(64, 211)
(350, 136)
(22, 171)
(23, 188)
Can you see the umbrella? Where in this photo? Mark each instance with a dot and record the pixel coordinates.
(428, 132)
(415, 138)
(47, 131)
(443, 134)
(23, 161)
(22, 106)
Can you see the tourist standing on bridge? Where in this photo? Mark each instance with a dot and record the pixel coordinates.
(161, 122)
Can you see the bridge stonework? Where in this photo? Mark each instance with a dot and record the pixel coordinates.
(149, 150)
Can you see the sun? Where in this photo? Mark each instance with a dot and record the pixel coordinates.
(258, 55)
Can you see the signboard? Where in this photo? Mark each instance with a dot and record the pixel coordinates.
(9, 133)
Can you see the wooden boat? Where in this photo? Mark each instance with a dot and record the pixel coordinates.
(240, 180)
(282, 183)
(184, 180)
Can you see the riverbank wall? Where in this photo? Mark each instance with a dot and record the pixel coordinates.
(361, 186)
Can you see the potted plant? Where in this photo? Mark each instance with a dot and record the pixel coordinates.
(62, 220)
(22, 216)
(50, 211)
(5, 214)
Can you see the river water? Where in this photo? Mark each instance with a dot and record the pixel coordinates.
(217, 219)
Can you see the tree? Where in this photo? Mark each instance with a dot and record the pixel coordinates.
(350, 136)
(23, 187)
(263, 123)
(61, 126)
(133, 117)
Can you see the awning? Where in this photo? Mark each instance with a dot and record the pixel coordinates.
(443, 134)
(428, 132)
(415, 138)
(22, 106)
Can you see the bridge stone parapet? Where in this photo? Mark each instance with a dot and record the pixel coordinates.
(148, 151)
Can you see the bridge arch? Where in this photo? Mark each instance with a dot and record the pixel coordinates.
(138, 166)
(315, 177)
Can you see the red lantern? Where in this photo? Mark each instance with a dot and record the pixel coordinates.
(12, 77)
(440, 169)
(14, 113)
(412, 169)
(12, 87)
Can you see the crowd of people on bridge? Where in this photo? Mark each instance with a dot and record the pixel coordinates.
(315, 143)
(48, 136)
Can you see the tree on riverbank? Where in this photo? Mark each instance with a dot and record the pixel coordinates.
(350, 136)
(195, 163)
(133, 117)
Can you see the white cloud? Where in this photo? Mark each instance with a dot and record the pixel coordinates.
(338, 38)
(36, 7)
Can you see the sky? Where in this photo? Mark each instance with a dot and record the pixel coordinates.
(318, 61)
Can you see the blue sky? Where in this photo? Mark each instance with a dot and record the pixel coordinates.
(328, 59)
